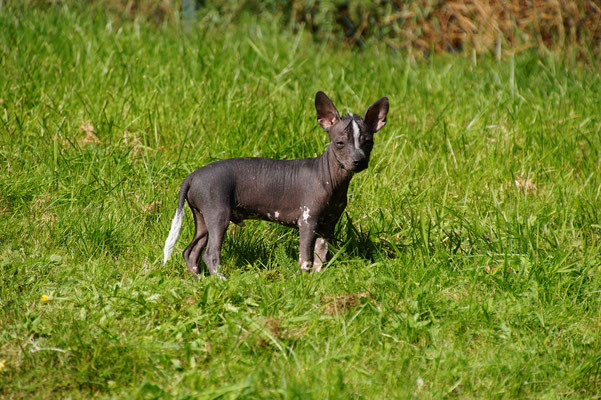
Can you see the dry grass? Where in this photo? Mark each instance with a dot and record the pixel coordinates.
(341, 304)
(420, 26)
(525, 185)
(131, 140)
(485, 24)
(89, 134)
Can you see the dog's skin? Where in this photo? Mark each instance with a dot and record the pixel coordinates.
(308, 194)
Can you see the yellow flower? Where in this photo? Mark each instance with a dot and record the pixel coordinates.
(46, 298)
(2, 365)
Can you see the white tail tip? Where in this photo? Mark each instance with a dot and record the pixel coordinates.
(176, 224)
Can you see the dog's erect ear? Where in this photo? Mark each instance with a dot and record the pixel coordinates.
(375, 116)
(327, 115)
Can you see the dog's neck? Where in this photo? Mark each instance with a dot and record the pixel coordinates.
(335, 177)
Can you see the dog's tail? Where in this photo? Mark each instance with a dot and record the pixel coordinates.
(176, 224)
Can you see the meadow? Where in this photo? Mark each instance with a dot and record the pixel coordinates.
(467, 264)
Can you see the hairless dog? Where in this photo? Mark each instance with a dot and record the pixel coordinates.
(309, 194)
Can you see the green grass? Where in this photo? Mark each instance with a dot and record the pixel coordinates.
(468, 263)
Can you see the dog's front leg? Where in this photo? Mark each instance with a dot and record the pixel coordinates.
(307, 246)
(321, 252)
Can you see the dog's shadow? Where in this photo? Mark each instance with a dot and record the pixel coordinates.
(354, 242)
(259, 245)
(262, 245)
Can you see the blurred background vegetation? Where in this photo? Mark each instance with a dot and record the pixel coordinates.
(420, 27)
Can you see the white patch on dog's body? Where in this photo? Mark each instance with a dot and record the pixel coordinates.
(276, 214)
(306, 215)
(356, 135)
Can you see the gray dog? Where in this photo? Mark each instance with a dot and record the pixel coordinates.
(308, 193)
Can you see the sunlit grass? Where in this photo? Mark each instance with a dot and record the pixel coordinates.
(467, 265)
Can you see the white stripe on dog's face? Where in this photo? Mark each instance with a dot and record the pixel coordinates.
(356, 135)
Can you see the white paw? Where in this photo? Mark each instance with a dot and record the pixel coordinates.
(306, 266)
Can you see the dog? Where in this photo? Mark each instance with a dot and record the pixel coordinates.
(309, 194)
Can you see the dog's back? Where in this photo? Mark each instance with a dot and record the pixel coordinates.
(255, 188)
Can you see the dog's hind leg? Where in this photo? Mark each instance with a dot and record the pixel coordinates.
(192, 252)
(217, 223)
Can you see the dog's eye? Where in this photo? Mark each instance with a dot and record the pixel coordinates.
(340, 144)
(369, 143)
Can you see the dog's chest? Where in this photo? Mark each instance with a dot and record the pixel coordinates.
(332, 211)
(323, 211)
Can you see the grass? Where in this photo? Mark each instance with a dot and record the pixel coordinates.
(468, 263)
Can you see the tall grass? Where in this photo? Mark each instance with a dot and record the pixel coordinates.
(419, 27)
(467, 264)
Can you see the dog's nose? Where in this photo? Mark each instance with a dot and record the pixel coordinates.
(356, 162)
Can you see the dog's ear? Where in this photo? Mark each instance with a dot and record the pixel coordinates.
(375, 116)
(327, 115)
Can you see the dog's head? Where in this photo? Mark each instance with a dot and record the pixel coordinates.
(351, 137)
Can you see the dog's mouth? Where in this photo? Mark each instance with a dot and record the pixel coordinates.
(353, 169)
(359, 168)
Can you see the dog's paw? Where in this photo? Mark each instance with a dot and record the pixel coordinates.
(306, 266)
(194, 271)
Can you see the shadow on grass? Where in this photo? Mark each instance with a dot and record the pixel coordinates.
(271, 243)
(264, 245)
(260, 245)
(356, 242)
